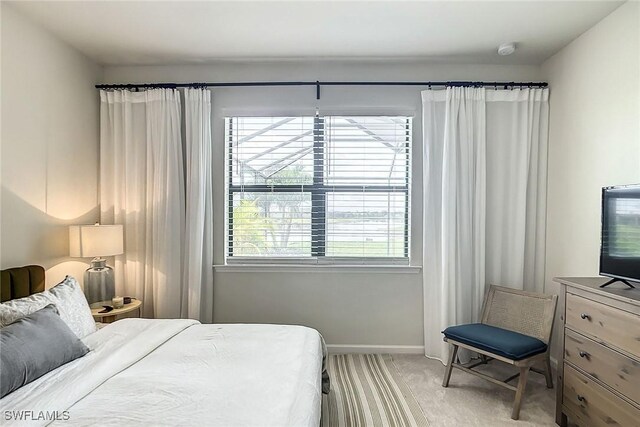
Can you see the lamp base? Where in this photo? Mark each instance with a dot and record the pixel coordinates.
(99, 283)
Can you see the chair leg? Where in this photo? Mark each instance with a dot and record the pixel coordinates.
(453, 352)
(522, 384)
(547, 372)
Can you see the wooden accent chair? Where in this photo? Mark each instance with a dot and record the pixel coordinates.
(515, 328)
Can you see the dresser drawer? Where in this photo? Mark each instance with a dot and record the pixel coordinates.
(593, 405)
(610, 367)
(616, 327)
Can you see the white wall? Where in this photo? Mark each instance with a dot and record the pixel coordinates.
(354, 308)
(594, 137)
(49, 146)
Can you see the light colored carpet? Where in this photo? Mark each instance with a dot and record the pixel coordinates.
(472, 401)
(367, 391)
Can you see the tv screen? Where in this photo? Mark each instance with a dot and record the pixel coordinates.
(620, 244)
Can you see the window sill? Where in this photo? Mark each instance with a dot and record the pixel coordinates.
(315, 268)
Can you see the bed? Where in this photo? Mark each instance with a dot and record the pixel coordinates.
(176, 372)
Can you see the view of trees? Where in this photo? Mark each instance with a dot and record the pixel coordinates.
(264, 222)
(248, 223)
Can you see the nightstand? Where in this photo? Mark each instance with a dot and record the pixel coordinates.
(111, 316)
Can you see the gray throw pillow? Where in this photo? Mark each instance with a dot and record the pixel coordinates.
(34, 345)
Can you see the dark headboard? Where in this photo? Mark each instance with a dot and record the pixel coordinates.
(21, 282)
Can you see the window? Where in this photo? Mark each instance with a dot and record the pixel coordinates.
(319, 188)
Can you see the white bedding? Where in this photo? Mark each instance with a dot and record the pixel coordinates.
(180, 372)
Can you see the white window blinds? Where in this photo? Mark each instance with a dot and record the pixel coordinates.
(319, 188)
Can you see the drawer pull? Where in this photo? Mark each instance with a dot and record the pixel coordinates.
(582, 399)
(584, 354)
(585, 316)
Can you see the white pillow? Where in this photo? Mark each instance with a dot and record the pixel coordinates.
(67, 297)
(73, 307)
(15, 309)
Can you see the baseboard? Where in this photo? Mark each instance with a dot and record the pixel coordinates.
(369, 349)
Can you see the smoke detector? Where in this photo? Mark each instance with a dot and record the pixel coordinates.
(506, 49)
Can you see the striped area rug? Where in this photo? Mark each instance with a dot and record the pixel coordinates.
(366, 390)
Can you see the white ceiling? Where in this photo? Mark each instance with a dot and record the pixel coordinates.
(148, 32)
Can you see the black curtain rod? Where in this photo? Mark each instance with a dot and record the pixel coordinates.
(319, 84)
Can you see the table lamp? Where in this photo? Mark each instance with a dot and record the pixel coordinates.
(97, 241)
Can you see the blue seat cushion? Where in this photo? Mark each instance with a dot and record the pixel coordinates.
(509, 344)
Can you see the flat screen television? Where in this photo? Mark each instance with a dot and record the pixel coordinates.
(620, 239)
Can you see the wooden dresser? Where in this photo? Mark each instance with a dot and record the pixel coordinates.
(599, 376)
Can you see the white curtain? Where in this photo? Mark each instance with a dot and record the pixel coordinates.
(454, 202)
(484, 201)
(197, 297)
(143, 187)
(517, 137)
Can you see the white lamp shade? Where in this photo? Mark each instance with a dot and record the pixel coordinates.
(88, 241)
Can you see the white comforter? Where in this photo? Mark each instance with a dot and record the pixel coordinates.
(181, 373)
